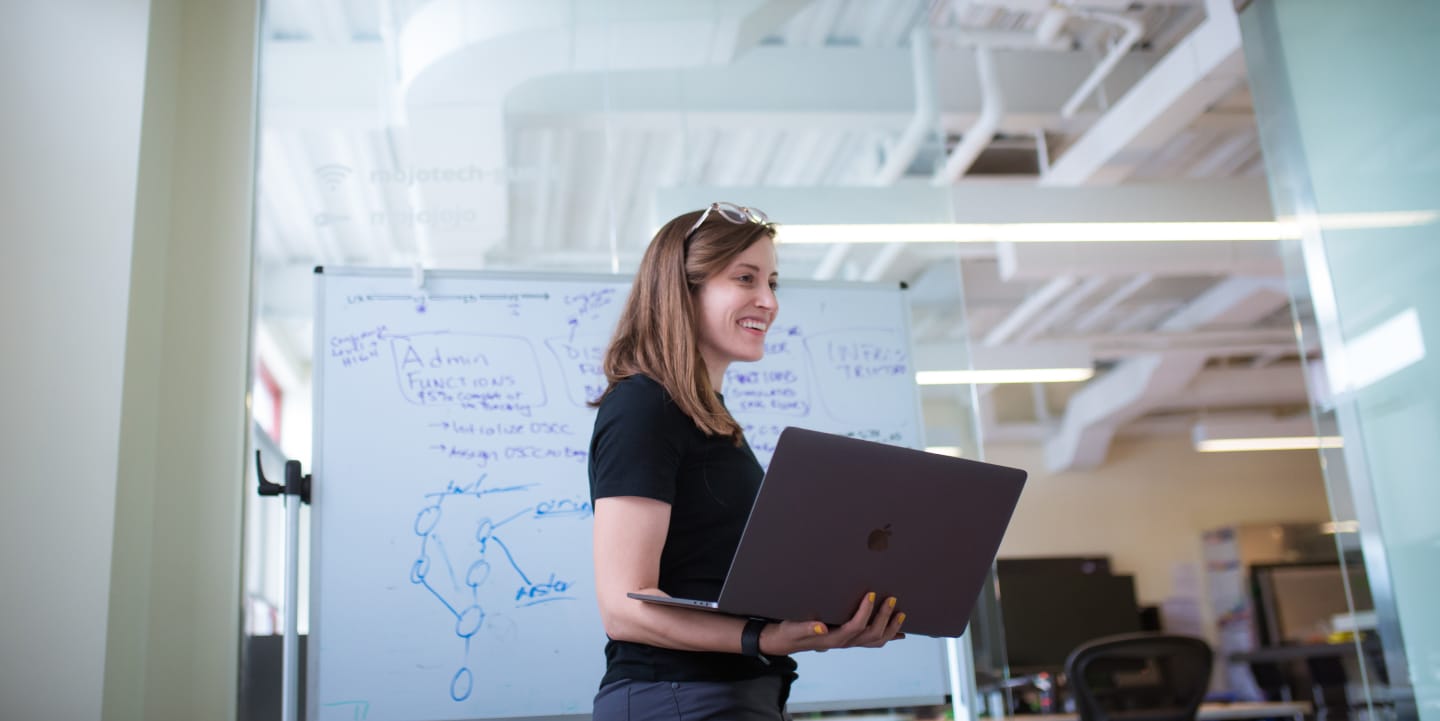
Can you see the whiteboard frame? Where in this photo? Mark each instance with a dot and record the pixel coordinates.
(951, 655)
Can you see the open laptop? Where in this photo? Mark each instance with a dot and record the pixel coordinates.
(838, 517)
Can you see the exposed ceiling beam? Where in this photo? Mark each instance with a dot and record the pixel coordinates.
(881, 263)
(1033, 305)
(1264, 359)
(918, 202)
(1125, 393)
(830, 264)
(1060, 308)
(1279, 384)
(312, 86)
(1218, 343)
(1180, 423)
(1097, 312)
(811, 27)
(1141, 383)
(1237, 301)
(1034, 261)
(1202, 69)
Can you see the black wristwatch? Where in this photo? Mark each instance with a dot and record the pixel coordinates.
(750, 639)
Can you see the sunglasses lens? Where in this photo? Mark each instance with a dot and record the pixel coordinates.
(732, 213)
(759, 216)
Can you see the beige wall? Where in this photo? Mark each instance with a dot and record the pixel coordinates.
(73, 82)
(1146, 507)
(124, 297)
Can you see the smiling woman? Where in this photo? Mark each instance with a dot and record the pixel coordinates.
(673, 481)
(735, 308)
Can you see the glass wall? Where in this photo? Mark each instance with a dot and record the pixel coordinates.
(1350, 124)
(557, 136)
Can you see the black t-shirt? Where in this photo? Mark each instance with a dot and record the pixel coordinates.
(644, 445)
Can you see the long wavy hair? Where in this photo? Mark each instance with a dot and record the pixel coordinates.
(658, 335)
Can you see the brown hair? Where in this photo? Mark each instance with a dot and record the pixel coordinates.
(657, 333)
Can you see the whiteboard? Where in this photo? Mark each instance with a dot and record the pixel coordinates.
(451, 570)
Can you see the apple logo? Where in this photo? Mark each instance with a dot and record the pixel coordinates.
(879, 538)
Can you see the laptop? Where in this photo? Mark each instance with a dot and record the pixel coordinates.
(838, 517)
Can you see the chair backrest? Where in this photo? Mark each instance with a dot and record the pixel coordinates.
(1139, 677)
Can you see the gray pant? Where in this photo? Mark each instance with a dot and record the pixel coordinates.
(761, 699)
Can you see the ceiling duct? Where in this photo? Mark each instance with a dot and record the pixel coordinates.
(457, 60)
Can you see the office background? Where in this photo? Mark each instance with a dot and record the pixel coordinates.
(130, 295)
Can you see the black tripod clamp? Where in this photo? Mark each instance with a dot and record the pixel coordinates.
(295, 483)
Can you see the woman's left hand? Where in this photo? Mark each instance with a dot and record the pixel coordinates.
(872, 626)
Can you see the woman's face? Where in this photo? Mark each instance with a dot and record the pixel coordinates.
(736, 307)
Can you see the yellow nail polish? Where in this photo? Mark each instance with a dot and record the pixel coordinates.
(870, 597)
(819, 629)
(891, 602)
(900, 619)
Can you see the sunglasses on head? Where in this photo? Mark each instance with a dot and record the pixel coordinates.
(737, 214)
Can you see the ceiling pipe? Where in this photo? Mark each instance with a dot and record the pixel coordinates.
(1050, 24)
(908, 146)
(1004, 39)
(1133, 31)
(973, 142)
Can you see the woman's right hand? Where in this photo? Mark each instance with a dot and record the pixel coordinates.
(869, 627)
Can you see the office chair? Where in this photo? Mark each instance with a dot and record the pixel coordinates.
(1139, 677)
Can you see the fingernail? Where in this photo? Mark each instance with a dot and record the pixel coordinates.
(891, 602)
(870, 597)
(819, 629)
(900, 620)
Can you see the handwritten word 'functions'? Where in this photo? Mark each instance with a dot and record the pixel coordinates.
(865, 373)
(475, 372)
(775, 385)
(357, 348)
(582, 361)
(773, 390)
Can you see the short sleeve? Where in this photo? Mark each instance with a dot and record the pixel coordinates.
(637, 445)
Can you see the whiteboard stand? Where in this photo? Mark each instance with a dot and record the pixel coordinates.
(963, 693)
(297, 485)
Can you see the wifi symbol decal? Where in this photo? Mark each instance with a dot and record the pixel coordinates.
(332, 175)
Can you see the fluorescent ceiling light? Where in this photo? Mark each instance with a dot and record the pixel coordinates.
(1098, 232)
(1289, 434)
(1358, 221)
(1043, 362)
(1276, 443)
(1334, 527)
(1031, 232)
(1007, 375)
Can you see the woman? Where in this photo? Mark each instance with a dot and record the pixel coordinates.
(673, 481)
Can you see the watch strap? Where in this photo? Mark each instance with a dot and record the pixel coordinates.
(750, 638)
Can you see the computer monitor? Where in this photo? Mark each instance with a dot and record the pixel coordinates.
(1052, 565)
(1047, 615)
(1297, 602)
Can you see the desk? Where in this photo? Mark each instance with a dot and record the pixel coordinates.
(1275, 654)
(1217, 711)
